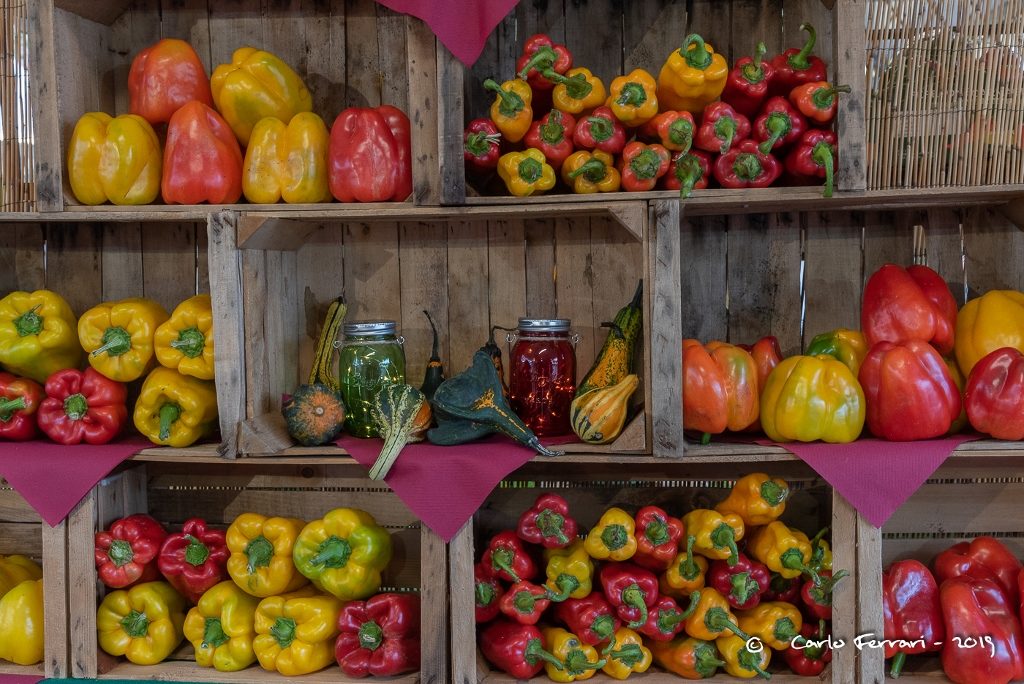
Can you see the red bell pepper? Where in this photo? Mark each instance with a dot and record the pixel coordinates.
(665, 619)
(817, 598)
(164, 77)
(642, 165)
(994, 397)
(524, 602)
(202, 159)
(814, 157)
(127, 552)
(517, 650)
(742, 584)
(481, 145)
(552, 135)
(82, 406)
(797, 66)
(721, 128)
(657, 538)
(600, 131)
(912, 612)
(674, 130)
(909, 390)
(908, 304)
(689, 171)
(19, 402)
(591, 618)
(487, 592)
(380, 636)
(982, 558)
(766, 354)
(747, 84)
(547, 523)
(540, 53)
(810, 659)
(369, 156)
(983, 634)
(194, 559)
(744, 166)
(779, 125)
(631, 590)
(783, 589)
(505, 558)
(817, 100)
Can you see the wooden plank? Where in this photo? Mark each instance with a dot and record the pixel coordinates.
(845, 603)
(753, 21)
(73, 264)
(991, 242)
(362, 73)
(540, 268)
(434, 592)
(576, 288)
(134, 30)
(22, 538)
(848, 67)
(49, 160)
(188, 21)
(871, 663)
(30, 256)
(320, 281)
(506, 254)
(423, 267)
(169, 263)
(121, 261)
(650, 31)
(391, 66)
(666, 379)
(982, 507)
(944, 249)
(81, 529)
(598, 45)
(463, 627)
(832, 280)
(888, 239)
(13, 508)
(371, 271)
(425, 102)
(225, 266)
(451, 109)
(55, 605)
(202, 260)
(467, 292)
(233, 24)
(703, 294)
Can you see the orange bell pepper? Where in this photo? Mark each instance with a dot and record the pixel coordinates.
(720, 388)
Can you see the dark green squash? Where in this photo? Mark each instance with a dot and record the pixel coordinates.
(314, 414)
(434, 375)
(323, 357)
(402, 415)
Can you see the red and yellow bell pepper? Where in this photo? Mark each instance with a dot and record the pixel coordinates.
(756, 498)
(712, 617)
(115, 160)
(812, 397)
(174, 409)
(22, 633)
(261, 554)
(720, 389)
(674, 130)
(633, 98)
(202, 159)
(526, 173)
(287, 161)
(82, 407)
(19, 403)
(613, 537)
(184, 342)
(295, 632)
(118, 337)
(343, 553)
(692, 77)
(641, 166)
(143, 623)
(222, 627)
(817, 100)
(165, 76)
(984, 324)
(687, 657)
(848, 346)
(38, 334)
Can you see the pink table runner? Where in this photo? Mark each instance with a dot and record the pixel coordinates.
(462, 25)
(20, 679)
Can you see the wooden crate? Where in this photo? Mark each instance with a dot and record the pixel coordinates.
(483, 267)
(23, 532)
(220, 491)
(677, 486)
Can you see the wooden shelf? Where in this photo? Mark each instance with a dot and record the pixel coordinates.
(186, 671)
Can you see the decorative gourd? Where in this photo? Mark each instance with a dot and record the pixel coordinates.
(434, 375)
(323, 358)
(616, 358)
(314, 414)
(470, 405)
(599, 415)
(402, 415)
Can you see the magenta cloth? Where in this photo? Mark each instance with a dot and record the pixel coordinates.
(445, 485)
(462, 25)
(20, 679)
(53, 478)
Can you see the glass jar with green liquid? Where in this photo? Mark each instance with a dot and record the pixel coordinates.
(370, 357)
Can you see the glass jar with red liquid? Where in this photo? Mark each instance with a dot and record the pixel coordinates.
(542, 375)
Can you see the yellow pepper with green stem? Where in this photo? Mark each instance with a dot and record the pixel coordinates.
(756, 498)
(174, 409)
(580, 660)
(511, 112)
(222, 627)
(627, 655)
(261, 554)
(633, 98)
(38, 334)
(812, 397)
(711, 617)
(591, 172)
(692, 77)
(16, 569)
(118, 337)
(114, 159)
(570, 572)
(784, 550)
(715, 535)
(343, 553)
(21, 624)
(578, 91)
(287, 161)
(613, 537)
(184, 342)
(142, 623)
(775, 623)
(295, 633)
(742, 661)
(526, 173)
(687, 573)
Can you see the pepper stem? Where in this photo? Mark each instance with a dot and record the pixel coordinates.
(371, 636)
(30, 322)
(688, 569)
(9, 406)
(535, 651)
(551, 525)
(694, 602)
(717, 620)
(753, 73)
(793, 559)
(688, 171)
(501, 559)
(484, 594)
(135, 624)
(628, 655)
(725, 130)
(594, 171)
(576, 662)
(541, 60)
(213, 633)
(576, 87)
(633, 596)
(169, 414)
(604, 627)
(614, 537)
(479, 143)
(190, 342)
(747, 166)
(657, 532)
(525, 602)
(774, 494)
(552, 131)
(76, 406)
(283, 631)
(799, 60)
(724, 537)
(748, 660)
(632, 95)
(116, 342)
(566, 585)
(898, 661)
(824, 98)
(680, 133)
(259, 551)
(120, 553)
(196, 552)
(530, 170)
(695, 52)
(601, 129)
(778, 124)
(743, 587)
(646, 164)
(333, 552)
(511, 103)
(705, 439)
(822, 156)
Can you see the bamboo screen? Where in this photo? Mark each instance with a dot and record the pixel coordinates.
(945, 93)
(17, 192)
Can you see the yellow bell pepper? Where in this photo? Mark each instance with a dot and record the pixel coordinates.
(570, 572)
(711, 617)
(580, 660)
(261, 554)
(812, 397)
(21, 624)
(16, 569)
(37, 334)
(715, 535)
(142, 623)
(633, 98)
(686, 574)
(287, 162)
(849, 346)
(255, 85)
(740, 660)
(295, 633)
(174, 409)
(628, 655)
(511, 111)
(578, 91)
(222, 628)
(114, 160)
(590, 172)
(692, 77)
(118, 337)
(526, 173)
(756, 498)
(987, 323)
(184, 342)
(784, 550)
(613, 537)
(343, 553)
(775, 623)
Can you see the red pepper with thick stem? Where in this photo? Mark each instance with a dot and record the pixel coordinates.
(911, 611)
(817, 101)
(642, 165)
(982, 558)
(548, 523)
(797, 66)
(487, 593)
(600, 131)
(674, 130)
(194, 559)
(783, 589)
(742, 584)
(665, 619)
(127, 552)
(747, 84)
(721, 129)
(814, 157)
(540, 53)
(977, 609)
(517, 650)
(592, 618)
(505, 558)
(481, 145)
(810, 659)
(688, 171)
(552, 135)
(779, 125)
(379, 637)
(817, 598)
(744, 166)
(19, 402)
(82, 406)
(631, 590)
(524, 602)
(657, 538)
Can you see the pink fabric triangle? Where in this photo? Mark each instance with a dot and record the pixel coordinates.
(445, 485)
(20, 679)
(462, 25)
(53, 478)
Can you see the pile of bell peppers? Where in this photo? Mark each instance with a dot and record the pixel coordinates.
(698, 121)
(293, 596)
(249, 129)
(686, 593)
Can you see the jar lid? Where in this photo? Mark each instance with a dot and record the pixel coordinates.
(544, 324)
(368, 328)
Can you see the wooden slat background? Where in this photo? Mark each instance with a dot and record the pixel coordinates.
(20, 526)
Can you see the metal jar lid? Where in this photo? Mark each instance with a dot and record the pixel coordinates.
(369, 328)
(544, 324)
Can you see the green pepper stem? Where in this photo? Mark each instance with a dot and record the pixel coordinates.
(577, 87)
(552, 131)
(657, 532)
(258, 553)
(778, 124)
(601, 129)
(753, 73)
(751, 661)
(725, 130)
(694, 602)
(530, 170)
(120, 553)
(747, 166)
(501, 559)
(604, 628)
(333, 553)
(824, 98)
(190, 342)
(774, 494)
(680, 133)
(169, 414)
(9, 406)
(541, 60)
(629, 655)
(695, 52)
(213, 633)
(633, 596)
(566, 585)
(822, 156)
(196, 552)
(479, 143)
(689, 569)
(743, 587)
(135, 624)
(283, 631)
(511, 103)
(535, 651)
(525, 602)
(689, 171)
(799, 60)
(705, 439)
(614, 537)
(116, 342)
(30, 322)
(632, 95)
(646, 164)
(793, 559)
(576, 662)
(484, 594)
(76, 406)
(723, 537)
(594, 171)
(898, 661)
(371, 636)
(717, 620)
